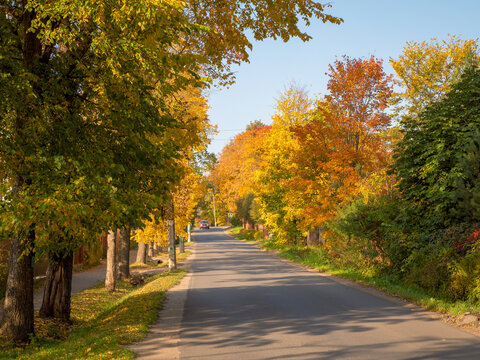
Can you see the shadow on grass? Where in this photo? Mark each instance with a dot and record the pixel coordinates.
(103, 322)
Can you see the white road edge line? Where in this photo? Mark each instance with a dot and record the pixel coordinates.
(162, 341)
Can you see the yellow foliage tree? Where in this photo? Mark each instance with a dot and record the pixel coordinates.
(279, 208)
(426, 71)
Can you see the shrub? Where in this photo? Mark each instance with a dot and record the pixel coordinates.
(465, 277)
(368, 233)
(259, 235)
(428, 267)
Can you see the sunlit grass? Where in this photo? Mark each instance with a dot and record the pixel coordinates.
(103, 322)
(239, 233)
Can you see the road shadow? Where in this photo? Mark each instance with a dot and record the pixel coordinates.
(248, 304)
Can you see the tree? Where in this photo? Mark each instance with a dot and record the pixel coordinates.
(437, 162)
(426, 71)
(294, 108)
(344, 144)
(234, 175)
(69, 83)
(111, 274)
(124, 254)
(253, 125)
(244, 205)
(141, 252)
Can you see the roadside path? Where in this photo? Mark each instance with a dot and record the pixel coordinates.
(80, 281)
(239, 302)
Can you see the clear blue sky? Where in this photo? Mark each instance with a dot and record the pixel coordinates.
(371, 27)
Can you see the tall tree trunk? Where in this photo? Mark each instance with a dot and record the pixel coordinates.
(110, 277)
(141, 253)
(17, 323)
(181, 245)
(150, 250)
(124, 254)
(58, 287)
(312, 237)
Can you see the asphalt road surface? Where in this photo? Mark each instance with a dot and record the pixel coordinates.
(244, 303)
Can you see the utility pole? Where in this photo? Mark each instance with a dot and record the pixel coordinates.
(172, 257)
(214, 210)
(189, 232)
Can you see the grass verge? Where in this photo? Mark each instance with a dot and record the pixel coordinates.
(103, 322)
(317, 258)
(242, 234)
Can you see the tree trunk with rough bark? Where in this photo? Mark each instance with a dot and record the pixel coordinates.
(17, 322)
(110, 277)
(312, 237)
(141, 253)
(58, 287)
(124, 254)
(181, 249)
(150, 250)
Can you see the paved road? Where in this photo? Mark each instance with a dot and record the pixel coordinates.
(244, 303)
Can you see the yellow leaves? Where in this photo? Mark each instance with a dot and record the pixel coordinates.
(185, 197)
(427, 70)
(293, 107)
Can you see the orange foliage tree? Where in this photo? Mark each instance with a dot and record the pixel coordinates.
(345, 143)
(234, 175)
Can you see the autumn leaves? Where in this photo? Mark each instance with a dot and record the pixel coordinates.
(324, 160)
(318, 154)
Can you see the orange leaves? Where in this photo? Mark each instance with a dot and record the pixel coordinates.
(344, 142)
(234, 174)
(359, 92)
(317, 156)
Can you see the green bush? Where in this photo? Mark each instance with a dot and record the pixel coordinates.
(248, 234)
(465, 277)
(259, 235)
(428, 267)
(368, 235)
(235, 221)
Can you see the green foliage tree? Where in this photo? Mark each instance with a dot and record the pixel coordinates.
(437, 159)
(85, 144)
(244, 206)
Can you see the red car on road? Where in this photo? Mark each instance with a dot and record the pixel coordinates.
(204, 224)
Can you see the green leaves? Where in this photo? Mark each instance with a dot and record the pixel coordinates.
(437, 160)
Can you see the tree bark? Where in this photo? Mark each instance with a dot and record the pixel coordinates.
(150, 250)
(181, 245)
(110, 277)
(17, 323)
(124, 254)
(58, 287)
(141, 253)
(312, 237)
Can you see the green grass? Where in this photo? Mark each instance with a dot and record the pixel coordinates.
(152, 265)
(103, 322)
(239, 233)
(317, 258)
